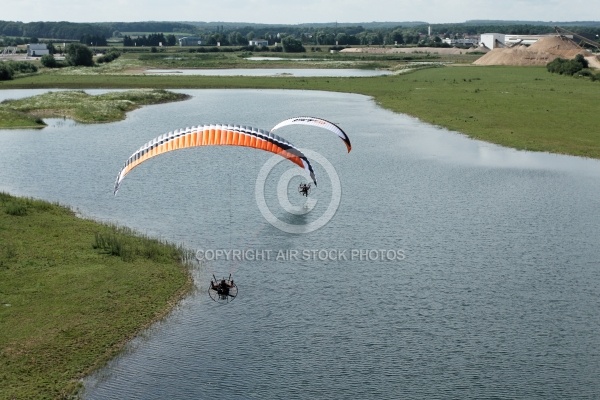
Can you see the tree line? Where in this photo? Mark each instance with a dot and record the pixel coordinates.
(53, 30)
(154, 39)
(409, 33)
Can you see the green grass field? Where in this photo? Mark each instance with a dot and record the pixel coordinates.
(11, 119)
(72, 292)
(522, 107)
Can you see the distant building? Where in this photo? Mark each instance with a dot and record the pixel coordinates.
(461, 42)
(496, 40)
(492, 40)
(511, 40)
(37, 50)
(190, 41)
(260, 43)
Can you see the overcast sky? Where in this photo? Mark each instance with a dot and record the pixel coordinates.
(297, 11)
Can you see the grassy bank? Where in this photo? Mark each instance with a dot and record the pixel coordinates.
(521, 107)
(72, 292)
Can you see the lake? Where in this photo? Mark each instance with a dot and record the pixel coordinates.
(451, 268)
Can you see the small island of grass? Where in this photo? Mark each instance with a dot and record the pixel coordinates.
(79, 106)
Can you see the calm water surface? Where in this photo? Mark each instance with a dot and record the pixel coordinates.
(297, 72)
(496, 294)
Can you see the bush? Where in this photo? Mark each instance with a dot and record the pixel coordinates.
(253, 48)
(111, 55)
(567, 67)
(585, 73)
(291, 45)
(9, 68)
(49, 61)
(78, 54)
(23, 67)
(588, 73)
(6, 73)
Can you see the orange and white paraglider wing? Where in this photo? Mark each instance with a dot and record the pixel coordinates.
(317, 122)
(215, 135)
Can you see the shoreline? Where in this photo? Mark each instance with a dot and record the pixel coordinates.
(525, 108)
(67, 305)
(183, 292)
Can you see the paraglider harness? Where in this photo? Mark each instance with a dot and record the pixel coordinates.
(304, 189)
(224, 290)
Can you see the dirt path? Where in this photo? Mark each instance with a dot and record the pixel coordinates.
(593, 62)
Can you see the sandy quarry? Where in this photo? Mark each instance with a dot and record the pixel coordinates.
(540, 53)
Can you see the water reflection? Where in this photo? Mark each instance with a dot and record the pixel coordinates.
(59, 122)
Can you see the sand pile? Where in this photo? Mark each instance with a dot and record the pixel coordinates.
(554, 44)
(540, 53)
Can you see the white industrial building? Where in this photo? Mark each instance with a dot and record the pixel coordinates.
(259, 42)
(37, 50)
(492, 40)
(461, 42)
(190, 41)
(496, 40)
(521, 39)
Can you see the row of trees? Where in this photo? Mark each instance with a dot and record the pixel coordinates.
(53, 30)
(238, 35)
(318, 33)
(77, 54)
(352, 36)
(359, 35)
(323, 37)
(154, 39)
(94, 40)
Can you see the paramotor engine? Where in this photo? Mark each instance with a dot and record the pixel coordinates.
(223, 291)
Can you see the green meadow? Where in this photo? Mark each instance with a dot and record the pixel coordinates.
(525, 108)
(72, 292)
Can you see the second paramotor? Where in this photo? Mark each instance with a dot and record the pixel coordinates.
(317, 122)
